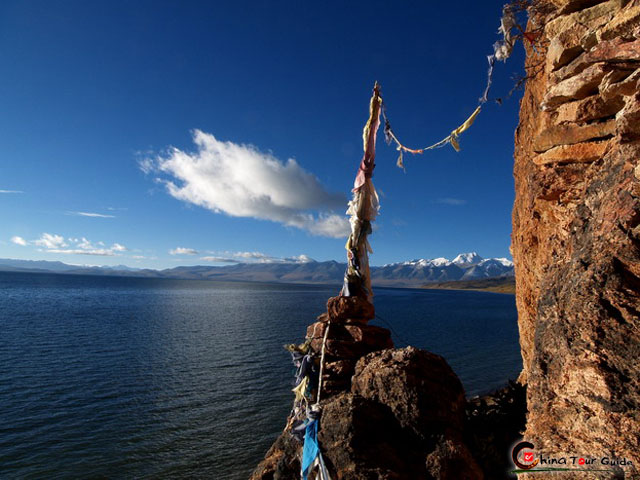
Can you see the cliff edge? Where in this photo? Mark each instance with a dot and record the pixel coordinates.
(576, 233)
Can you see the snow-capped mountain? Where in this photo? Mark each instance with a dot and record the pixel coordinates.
(491, 267)
(414, 273)
(466, 266)
(467, 259)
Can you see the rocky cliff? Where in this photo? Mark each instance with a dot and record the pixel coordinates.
(576, 233)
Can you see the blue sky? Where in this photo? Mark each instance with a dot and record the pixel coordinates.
(103, 103)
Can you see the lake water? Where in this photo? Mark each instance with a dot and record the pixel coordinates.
(148, 378)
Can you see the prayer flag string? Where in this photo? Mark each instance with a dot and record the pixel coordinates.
(502, 50)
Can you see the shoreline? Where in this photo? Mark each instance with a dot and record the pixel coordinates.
(502, 285)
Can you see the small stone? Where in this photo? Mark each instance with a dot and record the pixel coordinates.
(591, 17)
(570, 6)
(587, 109)
(342, 308)
(316, 330)
(565, 47)
(628, 120)
(569, 134)
(622, 24)
(345, 349)
(612, 52)
(340, 368)
(612, 86)
(579, 153)
(575, 88)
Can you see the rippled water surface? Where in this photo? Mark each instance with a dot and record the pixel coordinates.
(146, 378)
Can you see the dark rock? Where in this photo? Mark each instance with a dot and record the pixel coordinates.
(362, 440)
(494, 423)
(418, 386)
(403, 419)
(281, 461)
(347, 348)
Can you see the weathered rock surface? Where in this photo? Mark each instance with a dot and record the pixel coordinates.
(576, 236)
(571, 134)
(591, 108)
(402, 419)
(494, 423)
(579, 153)
(346, 309)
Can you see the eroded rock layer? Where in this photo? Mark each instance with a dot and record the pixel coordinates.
(576, 230)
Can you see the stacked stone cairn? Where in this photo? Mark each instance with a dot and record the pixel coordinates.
(349, 338)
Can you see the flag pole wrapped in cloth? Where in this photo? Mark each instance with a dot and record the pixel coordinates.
(363, 209)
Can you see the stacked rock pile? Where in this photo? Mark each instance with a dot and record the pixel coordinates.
(349, 338)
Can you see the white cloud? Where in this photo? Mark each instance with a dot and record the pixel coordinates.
(77, 246)
(242, 181)
(254, 257)
(91, 214)
(219, 260)
(11, 191)
(301, 259)
(251, 255)
(48, 240)
(19, 241)
(451, 201)
(183, 251)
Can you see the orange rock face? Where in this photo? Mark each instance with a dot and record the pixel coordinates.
(576, 233)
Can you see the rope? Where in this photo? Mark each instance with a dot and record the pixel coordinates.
(501, 51)
(324, 342)
(392, 330)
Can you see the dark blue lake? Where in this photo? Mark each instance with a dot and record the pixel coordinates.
(147, 378)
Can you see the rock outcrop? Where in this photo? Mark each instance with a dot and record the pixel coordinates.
(387, 414)
(348, 339)
(402, 418)
(576, 231)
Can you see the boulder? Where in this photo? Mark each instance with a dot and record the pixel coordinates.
(418, 386)
(402, 419)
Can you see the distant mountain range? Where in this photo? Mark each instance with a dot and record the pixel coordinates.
(466, 266)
